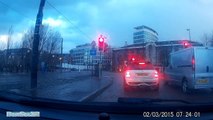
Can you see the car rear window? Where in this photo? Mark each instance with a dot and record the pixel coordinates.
(136, 66)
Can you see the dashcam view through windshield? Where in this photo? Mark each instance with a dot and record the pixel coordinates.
(107, 51)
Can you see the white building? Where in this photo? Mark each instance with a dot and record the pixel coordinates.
(144, 34)
(81, 55)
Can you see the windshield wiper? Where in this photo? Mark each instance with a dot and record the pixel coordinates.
(148, 100)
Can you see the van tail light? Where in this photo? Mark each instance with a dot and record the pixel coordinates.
(127, 74)
(193, 63)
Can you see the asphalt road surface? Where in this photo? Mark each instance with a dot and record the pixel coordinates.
(165, 92)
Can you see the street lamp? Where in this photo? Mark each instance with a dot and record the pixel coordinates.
(189, 34)
(60, 58)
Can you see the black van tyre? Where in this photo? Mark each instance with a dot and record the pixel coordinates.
(185, 88)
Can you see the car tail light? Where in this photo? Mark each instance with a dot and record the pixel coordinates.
(193, 63)
(127, 74)
(141, 63)
(133, 59)
(156, 74)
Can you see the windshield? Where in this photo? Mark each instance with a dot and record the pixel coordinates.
(78, 50)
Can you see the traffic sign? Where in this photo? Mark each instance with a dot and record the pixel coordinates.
(93, 52)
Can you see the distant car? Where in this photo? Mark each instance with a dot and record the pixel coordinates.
(191, 68)
(141, 74)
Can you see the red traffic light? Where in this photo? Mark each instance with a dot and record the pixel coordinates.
(101, 39)
(101, 43)
(186, 44)
(133, 59)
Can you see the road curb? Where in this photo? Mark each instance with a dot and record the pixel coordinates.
(96, 92)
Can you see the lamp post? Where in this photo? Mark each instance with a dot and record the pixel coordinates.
(189, 34)
(60, 59)
(35, 52)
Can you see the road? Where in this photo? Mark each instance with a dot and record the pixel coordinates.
(74, 86)
(165, 92)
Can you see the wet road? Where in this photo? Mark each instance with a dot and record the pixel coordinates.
(165, 92)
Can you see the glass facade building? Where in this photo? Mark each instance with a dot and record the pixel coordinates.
(143, 34)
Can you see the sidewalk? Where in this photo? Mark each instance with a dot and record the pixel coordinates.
(69, 86)
(22, 80)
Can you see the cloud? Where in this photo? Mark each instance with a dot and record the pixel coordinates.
(55, 23)
(114, 18)
(3, 38)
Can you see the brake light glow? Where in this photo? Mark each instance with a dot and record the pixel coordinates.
(133, 59)
(156, 74)
(193, 63)
(127, 74)
(141, 63)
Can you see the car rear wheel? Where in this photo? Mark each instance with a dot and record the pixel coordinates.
(185, 87)
(126, 87)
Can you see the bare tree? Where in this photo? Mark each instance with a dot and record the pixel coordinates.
(49, 42)
(27, 40)
(9, 40)
(2, 46)
(53, 43)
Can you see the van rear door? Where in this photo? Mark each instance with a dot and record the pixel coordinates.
(204, 67)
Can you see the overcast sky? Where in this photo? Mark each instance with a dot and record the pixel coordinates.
(113, 18)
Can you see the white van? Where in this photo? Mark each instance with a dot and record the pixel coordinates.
(192, 68)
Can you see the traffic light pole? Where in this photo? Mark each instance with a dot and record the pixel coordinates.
(35, 53)
(189, 34)
(101, 49)
(100, 65)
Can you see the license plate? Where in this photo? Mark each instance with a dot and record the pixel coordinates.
(204, 81)
(142, 74)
